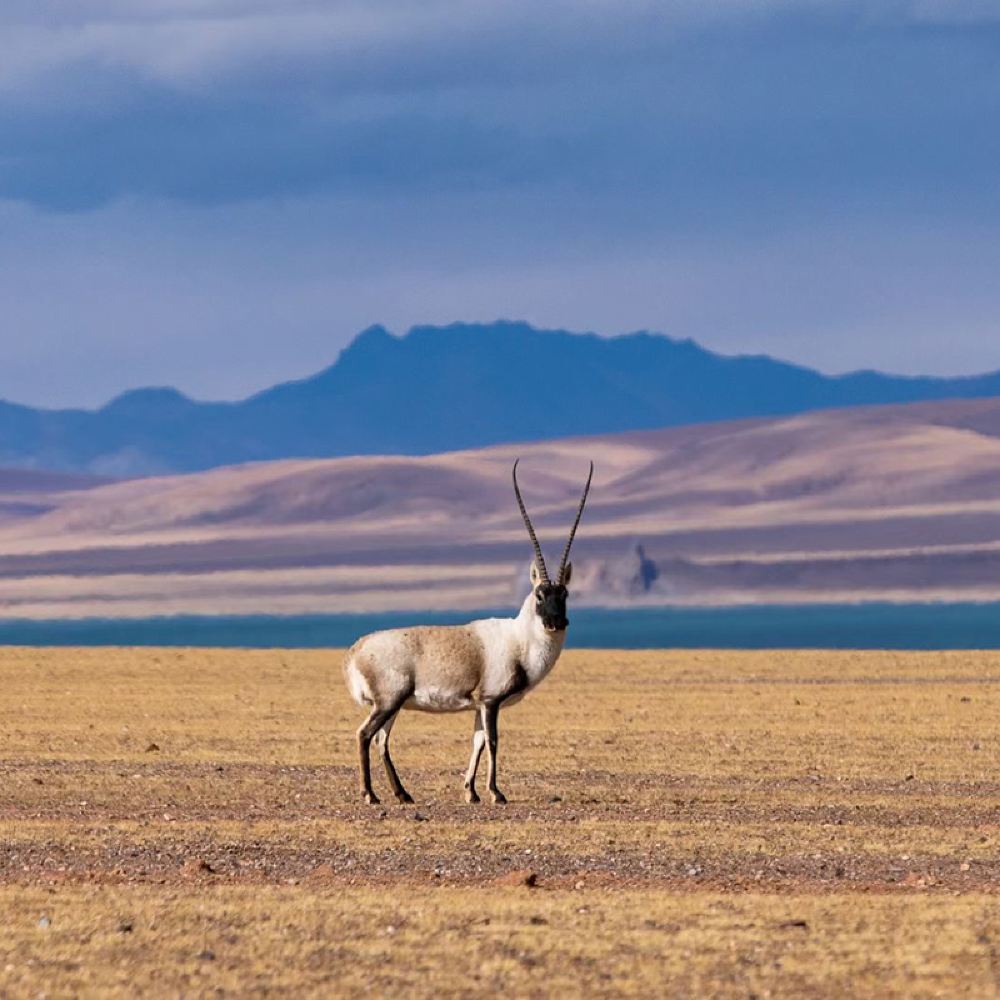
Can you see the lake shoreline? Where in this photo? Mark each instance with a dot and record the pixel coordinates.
(874, 625)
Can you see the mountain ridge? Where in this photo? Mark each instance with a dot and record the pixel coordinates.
(443, 388)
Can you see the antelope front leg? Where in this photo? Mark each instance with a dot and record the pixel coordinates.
(478, 741)
(490, 714)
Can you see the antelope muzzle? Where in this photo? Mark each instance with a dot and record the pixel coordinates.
(551, 607)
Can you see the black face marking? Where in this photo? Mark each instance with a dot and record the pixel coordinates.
(550, 606)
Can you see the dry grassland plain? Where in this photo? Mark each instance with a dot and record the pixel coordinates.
(187, 822)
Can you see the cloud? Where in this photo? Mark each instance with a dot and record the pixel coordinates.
(200, 46)
(221, 102)
(955, 13)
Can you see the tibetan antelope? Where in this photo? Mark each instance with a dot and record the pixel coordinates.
(479, 666)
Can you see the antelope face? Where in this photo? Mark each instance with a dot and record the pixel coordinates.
(550, 598)
(550, 606)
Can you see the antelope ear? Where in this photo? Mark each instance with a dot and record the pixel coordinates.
(534, 575)
(567, 574)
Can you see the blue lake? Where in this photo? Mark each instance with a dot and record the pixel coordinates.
(831, 626)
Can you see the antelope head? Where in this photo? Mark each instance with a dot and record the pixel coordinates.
(550, 598)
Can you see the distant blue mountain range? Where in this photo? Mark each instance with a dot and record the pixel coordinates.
(442, 388)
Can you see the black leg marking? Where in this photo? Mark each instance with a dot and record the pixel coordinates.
(491, 713)
(382, 739)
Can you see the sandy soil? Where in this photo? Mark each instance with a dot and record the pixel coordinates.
(769, 823)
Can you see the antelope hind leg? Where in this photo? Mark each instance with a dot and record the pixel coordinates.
(366, 733)
(382, 742)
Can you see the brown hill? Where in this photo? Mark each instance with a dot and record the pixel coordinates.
(871, 503)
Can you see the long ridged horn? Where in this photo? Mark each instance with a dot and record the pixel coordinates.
(539, 559)
(572, 531)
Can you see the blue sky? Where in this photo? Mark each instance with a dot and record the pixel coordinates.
(218, 194)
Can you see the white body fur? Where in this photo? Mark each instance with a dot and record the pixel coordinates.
(505, 644)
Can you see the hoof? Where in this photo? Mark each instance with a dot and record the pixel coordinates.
(471, 796)
(498, 797)
(370, 797)
(405, 798)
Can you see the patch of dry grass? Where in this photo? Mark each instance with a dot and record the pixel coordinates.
(112, 941)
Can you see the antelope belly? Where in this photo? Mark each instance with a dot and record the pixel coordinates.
(434, 699)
